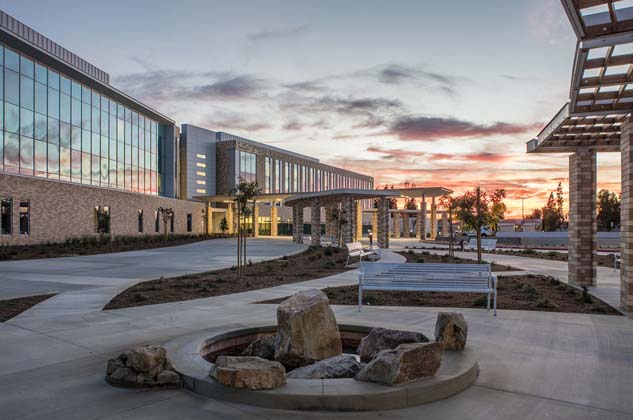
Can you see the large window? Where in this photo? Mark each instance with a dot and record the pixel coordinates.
(25, 217)
(55, 127)
(268, 175)
(189, 222)
(248, 166)
(6, 205)
(278, 177)
(102, 219)
(140, 220)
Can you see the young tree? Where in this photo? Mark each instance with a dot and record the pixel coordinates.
(608, 210)
(339, 217)
(167, 215)
(410, 204)
(244, 193)
(476, 209)
(449, 204)
(224, 225)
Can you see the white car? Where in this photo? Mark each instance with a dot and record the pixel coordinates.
(485, 231)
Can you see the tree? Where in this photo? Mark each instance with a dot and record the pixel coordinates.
(393, 201)
(450, 205)
(244, 193)
(167, 215)
(339, 217)
(476, 209)
(536, 214)
(410, 204)
(608, 210)
(224, 225)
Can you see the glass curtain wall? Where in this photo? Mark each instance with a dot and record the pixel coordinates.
(52, 126)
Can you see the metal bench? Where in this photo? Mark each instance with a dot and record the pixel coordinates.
(486, 244)
(422, 277)
(355, 249)
(325, 240)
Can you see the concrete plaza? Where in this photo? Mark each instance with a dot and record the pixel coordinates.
(533, 364)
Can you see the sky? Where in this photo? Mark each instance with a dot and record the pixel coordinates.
(436, 93)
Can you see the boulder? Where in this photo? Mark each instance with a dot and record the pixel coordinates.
(167, 377)
(341, 366)
(113, 365)
(406, 363)
(248, 372)
(147, 359)
(382, 339)
(306, 329)
(121, 374)
(263, 347)
(451, 330)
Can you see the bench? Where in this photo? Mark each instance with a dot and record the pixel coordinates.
(426, 277)
(355, 249)
(325, 240)
(486, 244)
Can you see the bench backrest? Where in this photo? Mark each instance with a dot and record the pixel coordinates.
(397, 275)
(354, 246)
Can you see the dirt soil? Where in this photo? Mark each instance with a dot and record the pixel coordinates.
(427, 257)
(13, 307)
(603, 260)
(55, 250)
(308, 265)
(527, 293)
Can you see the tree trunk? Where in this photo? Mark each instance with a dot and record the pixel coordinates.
(451, 251)
(239, 243)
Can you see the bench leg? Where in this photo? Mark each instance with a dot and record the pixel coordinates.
(488, 302)
(347, 262)
(360, 297)
(495, 307)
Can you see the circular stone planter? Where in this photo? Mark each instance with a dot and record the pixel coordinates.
(458, 371)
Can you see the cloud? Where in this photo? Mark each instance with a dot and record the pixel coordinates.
(228, 121)
(395, 75)
(425, 128)
(289, 32)
(240, 86)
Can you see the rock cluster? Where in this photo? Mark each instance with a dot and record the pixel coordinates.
(142, 367)
(341, 366)
(263, 347)
(306, 329)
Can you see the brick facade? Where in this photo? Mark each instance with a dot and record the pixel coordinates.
(582, 217)
(59, 210)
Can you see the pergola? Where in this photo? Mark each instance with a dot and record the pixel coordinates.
(596, 119)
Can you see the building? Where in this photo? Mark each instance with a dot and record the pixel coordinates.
(80, 157)
(520, 225)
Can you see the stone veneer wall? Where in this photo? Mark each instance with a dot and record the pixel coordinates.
(626, 215)
(59, 210)
(582, 218)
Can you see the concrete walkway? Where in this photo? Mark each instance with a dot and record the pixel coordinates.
(534, 365)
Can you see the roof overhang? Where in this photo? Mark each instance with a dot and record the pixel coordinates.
(566, 133)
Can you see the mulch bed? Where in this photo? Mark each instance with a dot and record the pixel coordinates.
(603, 260)
(527, 293)
(13, 307)
(311, 264)
(427, 257)
(56, 250)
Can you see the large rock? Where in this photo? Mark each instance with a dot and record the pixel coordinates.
(382, 339)
(248, 372)
(306, 329)
(146, 359)
(405, 363)
(263, 347)
(451, 330)
(341, 366)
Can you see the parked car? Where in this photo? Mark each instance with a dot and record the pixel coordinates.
(485, 231)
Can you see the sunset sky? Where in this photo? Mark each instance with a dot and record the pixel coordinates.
(439, 93)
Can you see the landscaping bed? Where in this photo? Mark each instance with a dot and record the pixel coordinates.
(91, 245)
(13, 307)
(527, 293)
(308, 265)
(427, 257)
(603, 260)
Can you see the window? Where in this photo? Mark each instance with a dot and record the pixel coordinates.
(201, 182)
(200, 173)
(268, 175)
(171, 223)
(247, 166)
(189, 222)
(102, 219)
(201, 191)
(6, 205)
(156, 222)
(140, 220)
(201, 165)
(25, 214)
(201, 156)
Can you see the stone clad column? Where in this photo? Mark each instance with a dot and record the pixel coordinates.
(433, 219)
(445, 232)
(374, 223)
(255, 220)
(297, 223)
(396, 224)
(626, 217)
(328, 221)
(421, 221)
(359, 221)
(582, 218)
(315, 220)
(382, 214)
(348, 215)
(273, 220)
(405, 225)
(229, 215)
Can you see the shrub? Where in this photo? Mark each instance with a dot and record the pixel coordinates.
(329, 264)
(586, 297)
(481, 301)
(328, 252)
(529, 251)
(543, 303)
(530, 290)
